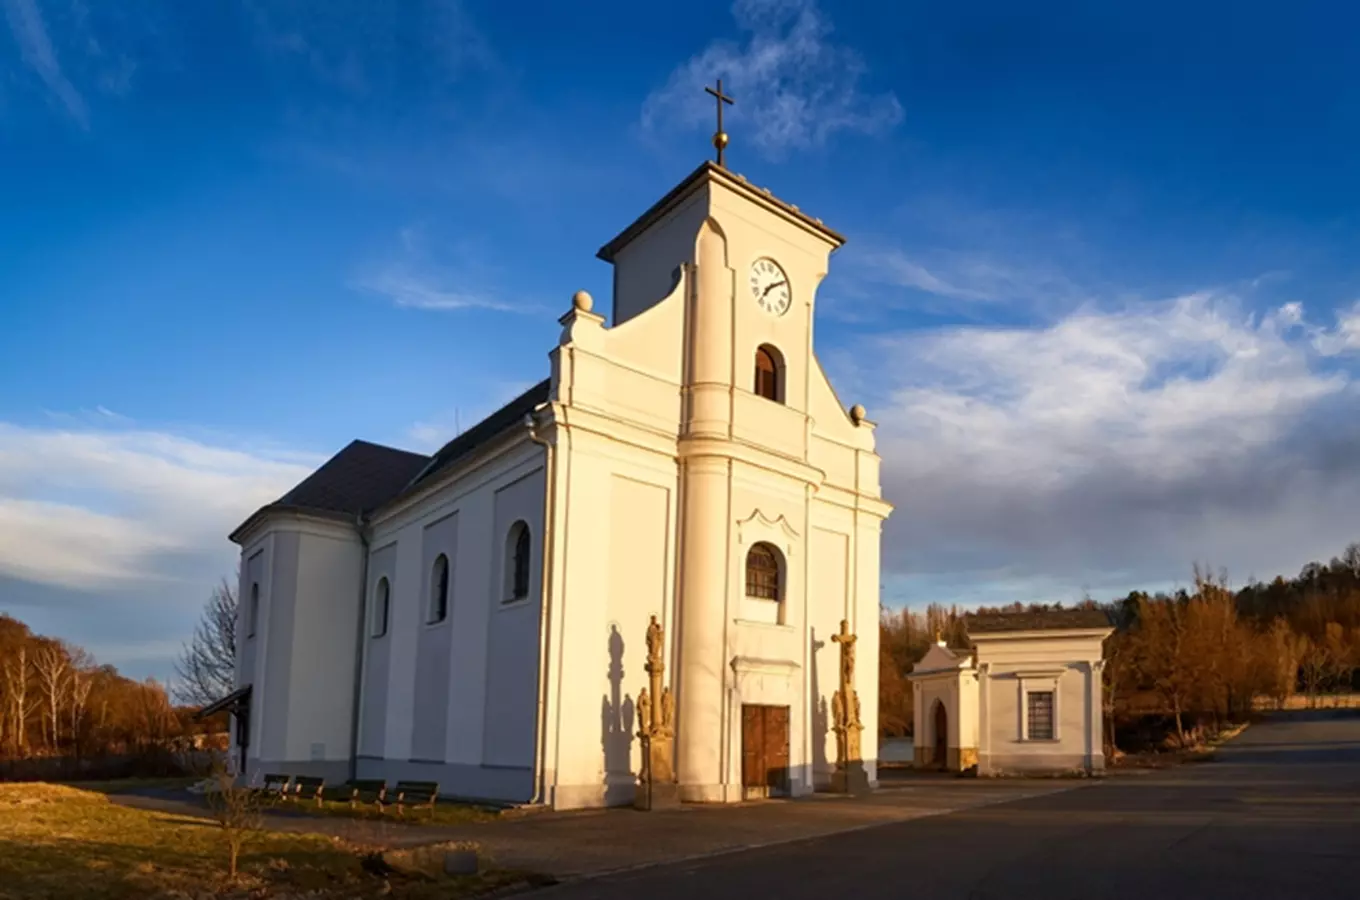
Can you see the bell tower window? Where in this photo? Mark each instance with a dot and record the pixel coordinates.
(769, 381)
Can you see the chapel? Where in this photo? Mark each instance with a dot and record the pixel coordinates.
(1025, 697)
(482, 617)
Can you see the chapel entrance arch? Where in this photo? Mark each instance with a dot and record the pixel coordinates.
(941, 735)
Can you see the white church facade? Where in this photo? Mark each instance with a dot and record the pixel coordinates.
(1026, 697)
(478, 617)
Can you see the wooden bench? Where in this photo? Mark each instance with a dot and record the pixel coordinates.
(276, 784)
(416, 793)
(365, 790)
(309, 787)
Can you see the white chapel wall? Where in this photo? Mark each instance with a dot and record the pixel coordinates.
(455, 701)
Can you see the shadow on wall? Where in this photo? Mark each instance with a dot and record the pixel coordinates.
(616, 729)
(821, 767)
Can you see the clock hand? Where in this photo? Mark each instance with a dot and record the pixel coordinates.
(772, 287)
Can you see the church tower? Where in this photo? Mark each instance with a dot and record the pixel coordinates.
(750, 431)
(703, 471)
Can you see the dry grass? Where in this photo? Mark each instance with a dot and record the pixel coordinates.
(443, 813)
(62, 843)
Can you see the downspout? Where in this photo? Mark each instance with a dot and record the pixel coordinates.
(545, 583)
(360, 526)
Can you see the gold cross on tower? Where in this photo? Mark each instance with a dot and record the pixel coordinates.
(720, 136)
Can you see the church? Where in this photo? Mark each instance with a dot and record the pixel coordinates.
(480, 617)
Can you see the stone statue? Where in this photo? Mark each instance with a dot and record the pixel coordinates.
(667, 713)
(655, 649)
(644, 713)
(656, 728)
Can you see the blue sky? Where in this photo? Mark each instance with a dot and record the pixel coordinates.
(1100, 292)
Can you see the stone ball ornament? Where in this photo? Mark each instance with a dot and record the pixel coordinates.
(582, 301)
(857, 413)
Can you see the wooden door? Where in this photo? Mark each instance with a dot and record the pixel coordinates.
(941, 735)
(765, 747)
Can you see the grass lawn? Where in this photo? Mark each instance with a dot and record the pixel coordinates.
(443, 813)
(60, 842)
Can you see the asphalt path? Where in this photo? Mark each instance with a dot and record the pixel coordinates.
(1275, 815)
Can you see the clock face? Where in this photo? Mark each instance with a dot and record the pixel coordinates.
(770, 286)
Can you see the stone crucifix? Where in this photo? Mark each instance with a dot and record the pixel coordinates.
(845, 713)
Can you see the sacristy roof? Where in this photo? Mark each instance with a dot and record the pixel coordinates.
(1036, 620)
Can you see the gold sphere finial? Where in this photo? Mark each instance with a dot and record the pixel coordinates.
(582, 301)
(720, 140)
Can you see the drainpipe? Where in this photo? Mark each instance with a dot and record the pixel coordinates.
(360, 526)
(545, 584)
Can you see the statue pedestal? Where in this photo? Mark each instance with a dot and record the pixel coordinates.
(850, 778)
(658, 795)
(657, 788)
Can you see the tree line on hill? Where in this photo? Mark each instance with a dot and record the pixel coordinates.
(1201, 655)
(60, 709)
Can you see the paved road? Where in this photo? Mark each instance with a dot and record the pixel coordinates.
(1276, 816)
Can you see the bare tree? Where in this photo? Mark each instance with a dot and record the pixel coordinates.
(15, 670)
(236, 807)
(52, 664)
(206, 668)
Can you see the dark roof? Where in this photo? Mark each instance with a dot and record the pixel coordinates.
(356, 480)
(233, 703)
(503, 419)
(706, 171)
(1036, 620)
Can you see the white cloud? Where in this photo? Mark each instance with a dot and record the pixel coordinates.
(795, 87)
(82, 508)
(1115, 448)
(30, 33)
(1344, 337)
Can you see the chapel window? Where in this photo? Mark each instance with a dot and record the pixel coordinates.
(1040, 709)
(517, 557)
(382, 607)
(762, 573)
(439, 590)
(769, 382)
(253, 613)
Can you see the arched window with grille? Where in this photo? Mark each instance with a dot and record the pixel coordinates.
(769, 379)
(382, 607)
(518, 551)
(763, 575)
(439, 590)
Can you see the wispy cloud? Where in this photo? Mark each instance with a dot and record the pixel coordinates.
(795, 86)
(1114, 447)
(410, 290)
(35, 47)
(415, 275)
(84, 506)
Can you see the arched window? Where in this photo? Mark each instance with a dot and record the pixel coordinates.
(517, 553)
(253, 614)
(382, 602)
(439, 590)
(769, 373)
(762, 573)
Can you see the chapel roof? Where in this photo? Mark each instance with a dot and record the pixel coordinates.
(358, 479)
(1036, 620)
(506, 417)
(365, 476)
